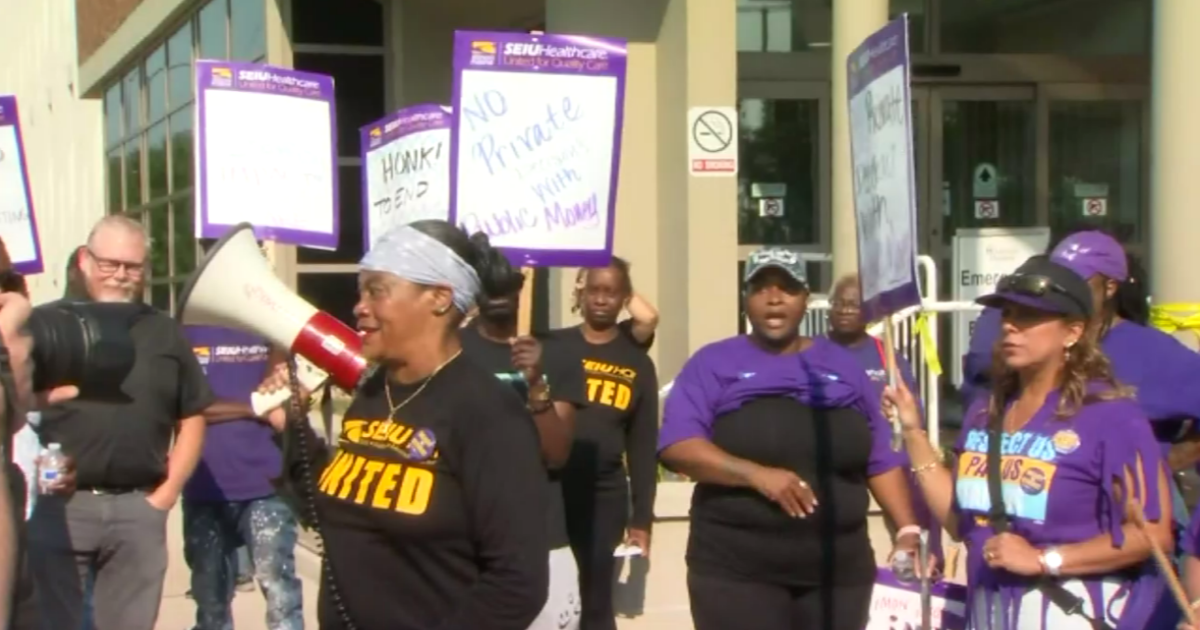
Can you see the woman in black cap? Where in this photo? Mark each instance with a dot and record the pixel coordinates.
(1067, 455)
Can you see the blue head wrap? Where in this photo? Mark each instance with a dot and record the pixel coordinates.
(411, 254)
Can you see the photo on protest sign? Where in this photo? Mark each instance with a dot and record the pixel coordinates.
(537, 143)
(405, 169)
(18, 225)
(885, 199)
(266, 153)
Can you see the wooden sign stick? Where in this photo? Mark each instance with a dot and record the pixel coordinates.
(889, 352)
(1164, 563)
(525, 307)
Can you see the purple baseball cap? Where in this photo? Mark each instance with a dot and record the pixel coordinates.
(1090, 253)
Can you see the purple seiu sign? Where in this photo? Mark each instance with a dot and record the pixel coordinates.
(536, 143)
(885, 200)
(266, 153)
(18, 224)
(405, 169)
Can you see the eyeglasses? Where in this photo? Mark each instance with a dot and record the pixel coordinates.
(112, 265)
(845, 307)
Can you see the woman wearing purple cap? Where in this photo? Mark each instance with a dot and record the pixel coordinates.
(1161, 371)
(1066, 454)
(784, 437)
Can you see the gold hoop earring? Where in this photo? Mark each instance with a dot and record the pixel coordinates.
(442, 311)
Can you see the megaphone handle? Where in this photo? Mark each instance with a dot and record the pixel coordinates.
(309, 375)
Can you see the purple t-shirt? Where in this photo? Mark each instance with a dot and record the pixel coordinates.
(869, 353)
(240, 456)
(1058, 487)
(724, 375)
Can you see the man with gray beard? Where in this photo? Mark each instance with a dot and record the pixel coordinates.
(111, 534)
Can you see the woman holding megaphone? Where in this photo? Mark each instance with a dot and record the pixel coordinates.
(433, 508)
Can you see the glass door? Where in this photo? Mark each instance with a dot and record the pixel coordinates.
(1097, 148)
(980, 164)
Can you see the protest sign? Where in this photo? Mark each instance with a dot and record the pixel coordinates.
(885, 200)
(406, 169)
(18, 227)
(537, 142)
(896, 605)
(266, 153)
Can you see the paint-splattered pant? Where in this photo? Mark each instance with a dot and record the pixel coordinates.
(212, 533)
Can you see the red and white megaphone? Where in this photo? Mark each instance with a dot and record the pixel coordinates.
(234, 287)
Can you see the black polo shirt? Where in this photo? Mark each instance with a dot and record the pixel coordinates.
(124, 444)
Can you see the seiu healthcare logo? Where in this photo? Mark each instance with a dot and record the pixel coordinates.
(525, 49)
(483, 53)
(222, 77)
(231, 354)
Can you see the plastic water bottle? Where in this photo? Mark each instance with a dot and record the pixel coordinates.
(904, 566)
(51, 465)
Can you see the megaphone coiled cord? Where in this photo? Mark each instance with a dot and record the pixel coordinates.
(298, 423)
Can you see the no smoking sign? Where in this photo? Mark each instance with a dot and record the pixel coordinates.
(712, 141)
(1095, 207)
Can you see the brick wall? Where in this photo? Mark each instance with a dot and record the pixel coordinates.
(97, 20)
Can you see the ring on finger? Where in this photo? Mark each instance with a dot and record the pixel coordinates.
(802, 483)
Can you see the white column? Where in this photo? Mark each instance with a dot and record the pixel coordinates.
(853, 21)
(1175, 155)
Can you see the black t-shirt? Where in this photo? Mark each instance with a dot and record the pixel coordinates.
(619, 424)
(565, 379)
(125, 444)
(436, 517)
(738, 532)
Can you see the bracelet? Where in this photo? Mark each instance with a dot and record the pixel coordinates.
(908, 529)
(916, 470)
(538, 407)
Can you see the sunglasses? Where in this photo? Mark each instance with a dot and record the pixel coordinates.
(1035, 286)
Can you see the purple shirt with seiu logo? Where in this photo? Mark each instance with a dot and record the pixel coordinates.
(1059, 484)
(240, 456)
(724, 375)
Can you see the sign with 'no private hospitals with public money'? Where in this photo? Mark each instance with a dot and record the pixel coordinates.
(537, 143)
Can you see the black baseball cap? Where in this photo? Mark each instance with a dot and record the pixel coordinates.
(1045, 285)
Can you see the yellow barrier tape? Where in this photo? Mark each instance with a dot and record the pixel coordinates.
(929, 348)
(1171, 318)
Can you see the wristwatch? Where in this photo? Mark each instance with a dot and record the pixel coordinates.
(538, 399)
(1051, 560)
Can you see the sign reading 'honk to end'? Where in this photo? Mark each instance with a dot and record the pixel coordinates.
(536, 143)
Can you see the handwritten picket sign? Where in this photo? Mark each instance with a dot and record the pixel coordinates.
(885, 197)
(406, 169)
(896, 605)
(536, 143)
(266, 153)
(18, 225)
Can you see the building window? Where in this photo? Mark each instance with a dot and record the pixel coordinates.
(807, 25)
(347, 44)
(148, 134)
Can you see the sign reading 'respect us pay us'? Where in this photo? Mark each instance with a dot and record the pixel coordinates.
(536, 143)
